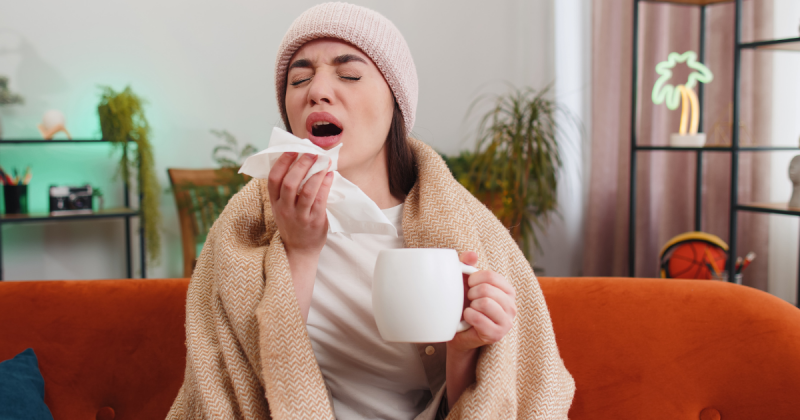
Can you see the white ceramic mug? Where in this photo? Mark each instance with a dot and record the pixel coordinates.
(418, 294)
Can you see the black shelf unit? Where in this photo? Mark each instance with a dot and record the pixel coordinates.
(788, 44)
(125, 213)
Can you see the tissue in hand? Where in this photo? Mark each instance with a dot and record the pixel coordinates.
(349, 209)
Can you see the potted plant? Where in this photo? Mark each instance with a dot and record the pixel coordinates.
(7, 98)
(209, 201)
(201, 197)
(513, 168)
(123, 123)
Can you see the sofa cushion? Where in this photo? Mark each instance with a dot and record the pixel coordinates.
(22, 389)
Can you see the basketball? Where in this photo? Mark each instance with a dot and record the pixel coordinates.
(689, 260)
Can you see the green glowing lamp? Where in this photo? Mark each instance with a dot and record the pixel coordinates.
(683, 94)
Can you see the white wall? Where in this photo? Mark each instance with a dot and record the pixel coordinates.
(209, 65)
(562, 244)
(783, 230)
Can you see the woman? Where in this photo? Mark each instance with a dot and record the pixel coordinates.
(279, 317)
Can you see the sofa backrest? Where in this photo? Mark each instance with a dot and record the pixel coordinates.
(101, 344)
(637, 348)
(676, 349)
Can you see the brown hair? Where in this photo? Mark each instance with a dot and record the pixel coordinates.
(399, 157)
(400, 160)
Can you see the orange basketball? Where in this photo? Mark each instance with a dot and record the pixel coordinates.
(689, 260)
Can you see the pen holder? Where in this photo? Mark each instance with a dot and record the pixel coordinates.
(15, 198)
(737, 278)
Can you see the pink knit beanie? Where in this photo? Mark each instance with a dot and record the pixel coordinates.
(367, 30)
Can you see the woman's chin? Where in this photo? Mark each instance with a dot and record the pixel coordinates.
(326, 142)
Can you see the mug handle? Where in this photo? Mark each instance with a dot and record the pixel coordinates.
(466, 269)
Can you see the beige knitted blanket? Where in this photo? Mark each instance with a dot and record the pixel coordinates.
(249, 356)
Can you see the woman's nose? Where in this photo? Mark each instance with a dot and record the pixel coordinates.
(321, 90)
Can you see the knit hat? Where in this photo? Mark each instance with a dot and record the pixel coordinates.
(367, 30)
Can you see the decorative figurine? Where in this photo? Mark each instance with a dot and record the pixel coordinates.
(690, 107)
(794, 176)
(52, 123)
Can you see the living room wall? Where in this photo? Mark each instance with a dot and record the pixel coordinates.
(783, 230)
(206, 65)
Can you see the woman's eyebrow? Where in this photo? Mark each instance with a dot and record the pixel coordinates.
(301, 63)
(346, 58)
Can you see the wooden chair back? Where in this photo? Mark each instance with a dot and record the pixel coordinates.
(200, 196)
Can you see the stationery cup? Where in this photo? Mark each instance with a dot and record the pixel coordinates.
(15, 198)
(418, 294)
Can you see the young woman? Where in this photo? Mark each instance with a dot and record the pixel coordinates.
(279, 313)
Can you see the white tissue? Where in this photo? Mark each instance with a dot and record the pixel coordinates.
(349, 209)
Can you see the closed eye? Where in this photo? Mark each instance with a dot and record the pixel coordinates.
(297, 82)
(351, 78)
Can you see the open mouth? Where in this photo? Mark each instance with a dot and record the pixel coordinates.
(323, 129)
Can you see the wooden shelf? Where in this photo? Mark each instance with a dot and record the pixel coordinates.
(120, 212)
(772, 208)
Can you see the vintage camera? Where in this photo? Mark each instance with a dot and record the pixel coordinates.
(70, 200)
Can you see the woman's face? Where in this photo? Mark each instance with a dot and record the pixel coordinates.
(335, 94)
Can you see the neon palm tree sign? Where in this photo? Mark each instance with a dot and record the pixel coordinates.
(683, 95)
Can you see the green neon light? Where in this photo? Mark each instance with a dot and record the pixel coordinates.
(663, 91)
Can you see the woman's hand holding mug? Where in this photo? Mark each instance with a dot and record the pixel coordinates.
(419, 295)
(490, 308)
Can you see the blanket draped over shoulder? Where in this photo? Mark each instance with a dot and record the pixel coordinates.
(248, 352)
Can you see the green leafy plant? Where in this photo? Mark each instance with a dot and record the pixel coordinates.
(123, 123)
(513, 169)
(228, 155)
(206, 202)
(210, 201)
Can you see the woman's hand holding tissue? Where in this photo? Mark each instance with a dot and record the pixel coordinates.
(299, 212)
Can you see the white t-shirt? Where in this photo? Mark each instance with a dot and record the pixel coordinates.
(368, 377)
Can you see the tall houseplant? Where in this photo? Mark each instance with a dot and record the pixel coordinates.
(514, 166)
(123, 123)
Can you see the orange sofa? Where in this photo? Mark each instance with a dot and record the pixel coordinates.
(637, 348)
